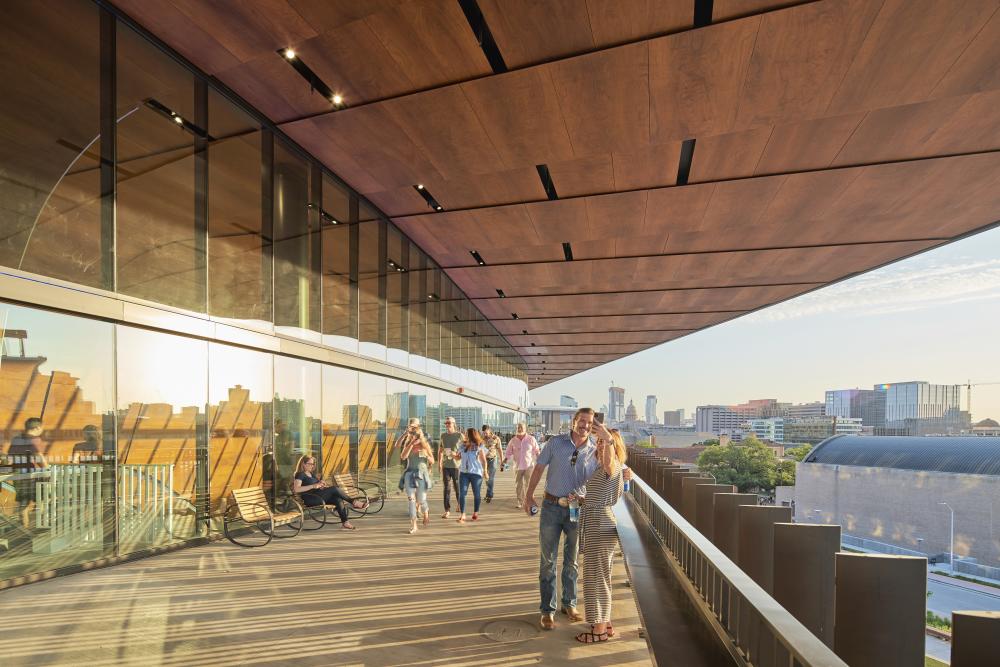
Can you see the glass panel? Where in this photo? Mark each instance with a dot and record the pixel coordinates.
(398, 404)
(50, 218)
(340, 423)
(239, 258)
(397, 289)
(162, 383)
(297, 390)
(57, 448)
(371, 282)
(435, 311)
(160, 251)
(340, 291)
(296, 246)
(371, 412)
(239, 417)
(417, 309)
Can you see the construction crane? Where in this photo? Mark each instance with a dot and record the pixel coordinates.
(968, 392)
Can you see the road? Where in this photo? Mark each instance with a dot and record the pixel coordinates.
(947, 597)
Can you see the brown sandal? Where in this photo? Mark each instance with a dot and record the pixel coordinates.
(592, 637)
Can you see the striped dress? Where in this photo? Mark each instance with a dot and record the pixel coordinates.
(599, 535)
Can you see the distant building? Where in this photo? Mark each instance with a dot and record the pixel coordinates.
(673, 417)
(631, 414)
(806, 410)
(551, 418)
(812, 430)
(772, 428)
(616, 404)
(718, 419)
(921, 408)
(987, 428)
(568, 401)
(651, 409)
(866, 404)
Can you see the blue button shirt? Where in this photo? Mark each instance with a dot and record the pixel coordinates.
(561, 479)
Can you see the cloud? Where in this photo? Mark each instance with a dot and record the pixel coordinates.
(896, 289)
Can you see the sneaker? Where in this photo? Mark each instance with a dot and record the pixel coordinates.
(489, 498)
(446, 515)
(548, 622)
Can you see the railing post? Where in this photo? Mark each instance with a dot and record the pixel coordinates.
(880, 610)
(704, 510)
(675, 497)
(688, 501)
(804, 559)
(975, 638)
(725, 521)
(756, 550)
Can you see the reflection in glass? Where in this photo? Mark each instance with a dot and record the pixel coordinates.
(57, 448)
(397, 297)
(50, 218)
(372, 264)
(297, 423)
(418, 290)
(371, 420)
(400, 406)
(239, 252)
(162, 454)
(160, 248)
(340, 412)
(239, 422)
(340, 285)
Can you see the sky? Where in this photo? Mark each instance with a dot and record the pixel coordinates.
(933, 317)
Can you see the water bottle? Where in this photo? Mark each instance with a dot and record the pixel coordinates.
(574, 509)
(626, 486)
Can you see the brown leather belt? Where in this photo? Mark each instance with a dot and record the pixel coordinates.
(555, 499)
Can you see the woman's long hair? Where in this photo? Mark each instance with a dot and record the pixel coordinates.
(300, 466)
(473, 439)
(620, 451)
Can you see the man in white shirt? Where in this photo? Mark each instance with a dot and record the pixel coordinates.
(523, 450)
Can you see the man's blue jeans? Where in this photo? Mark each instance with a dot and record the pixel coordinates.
(553, 524)
(491, 468)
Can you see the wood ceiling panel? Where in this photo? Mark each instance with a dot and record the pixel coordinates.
(800, 57)
(399, 202)
(583, 176)
(676, 210)
(313, 135)
(560, 220)
(550, 351)
(976, 69)
(523, 341)
(695, 79)
(604, 98)
(520, 113)
(952, 124)
(271, 85)
(442, 124)
(613, 323)
(373, 138)
(465, 191)
(651, 167)
(617, 21)
(326, 15)
(731, 155)
(728, 9)
(810, 144)
(431, 42)
(528, 32)
(889, 71)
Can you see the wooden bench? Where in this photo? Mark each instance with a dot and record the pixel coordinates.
(370, 492)
(251, 513)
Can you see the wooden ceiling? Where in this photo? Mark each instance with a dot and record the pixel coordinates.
(701, 171)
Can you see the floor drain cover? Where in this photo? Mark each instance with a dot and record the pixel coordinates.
(510, 631)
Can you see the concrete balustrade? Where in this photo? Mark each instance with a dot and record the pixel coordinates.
(704, 512)
(688, 501)
(755, 554)
(676, 494)
(975, 638)
(803, 574)
(880, 602)
(725, 521)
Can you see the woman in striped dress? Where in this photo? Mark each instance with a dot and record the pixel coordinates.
(599, 534)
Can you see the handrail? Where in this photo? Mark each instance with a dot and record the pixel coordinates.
(745, 610)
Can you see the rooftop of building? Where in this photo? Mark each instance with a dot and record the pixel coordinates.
(953, 454)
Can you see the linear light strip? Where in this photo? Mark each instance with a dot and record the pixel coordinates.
(474, 15)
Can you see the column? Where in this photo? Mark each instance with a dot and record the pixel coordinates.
(725, 522)
(756, 551)
(975, 638)
(804, 559)
(704, 511)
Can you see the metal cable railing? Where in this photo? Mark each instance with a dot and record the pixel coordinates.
(762, 631)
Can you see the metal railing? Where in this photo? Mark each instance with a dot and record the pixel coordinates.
(146, 501)
(763, 633)
(69, 503)
(880, 547)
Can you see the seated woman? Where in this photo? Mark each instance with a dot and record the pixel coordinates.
(315, 491)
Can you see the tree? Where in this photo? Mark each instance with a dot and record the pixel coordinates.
(798, 453)
(784, 473)
(749, 465)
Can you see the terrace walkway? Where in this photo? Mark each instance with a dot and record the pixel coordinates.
(449, 595)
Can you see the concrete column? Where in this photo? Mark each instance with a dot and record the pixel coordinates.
(804, 559)
(880, 603)
(676, 496)
(705, 505)
(755, 555)
(688, 485)
(725, 522)
(975, 638)
(663, 472)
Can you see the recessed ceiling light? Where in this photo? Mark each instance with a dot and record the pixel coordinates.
(420, 186)
(290, 54)
(178, 120)
(338, 99)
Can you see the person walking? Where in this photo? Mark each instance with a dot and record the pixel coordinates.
(417, 476)
(556, 461)
(523, 451)
(494, 455)
(473, 470)
(448, 458)
(604, 481)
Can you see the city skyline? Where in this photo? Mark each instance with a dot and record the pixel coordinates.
(932, 317)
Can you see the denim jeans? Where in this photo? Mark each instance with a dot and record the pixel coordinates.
(416, 494)
(464, 480)
(449, 477)
(491, 467)
(553, 523)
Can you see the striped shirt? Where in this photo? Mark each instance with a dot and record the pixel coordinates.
(561, 478)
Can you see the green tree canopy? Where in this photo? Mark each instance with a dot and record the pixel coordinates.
(749, 465)
(798, 453)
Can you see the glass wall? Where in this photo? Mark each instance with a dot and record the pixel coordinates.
(121, 169)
